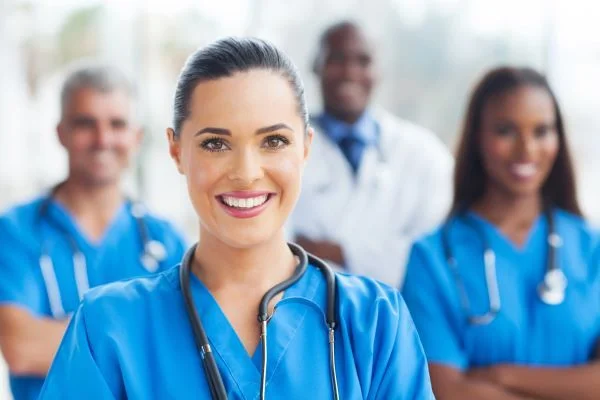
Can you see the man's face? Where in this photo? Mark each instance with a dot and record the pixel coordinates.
(347, 73)
(97, 131)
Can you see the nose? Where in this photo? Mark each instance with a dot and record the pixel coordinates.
(103, 137)
(352, 69)
(527, 146)
(246, 167)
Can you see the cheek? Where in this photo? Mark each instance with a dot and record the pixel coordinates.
(201, 175)
(286, 172)
(495, 150)
(550, 149)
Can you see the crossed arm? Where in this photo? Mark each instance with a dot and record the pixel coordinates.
(514, 382)
(29, 343)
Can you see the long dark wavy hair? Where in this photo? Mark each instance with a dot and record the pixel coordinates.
(470, 178)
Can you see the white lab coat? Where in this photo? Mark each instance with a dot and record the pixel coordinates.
(401, 191)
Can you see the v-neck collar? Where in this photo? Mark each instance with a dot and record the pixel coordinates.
(496, 237)
(63, 217)
(245, 371)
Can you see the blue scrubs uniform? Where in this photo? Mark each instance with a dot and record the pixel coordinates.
(526, 331)
(116, 256)
(133, 340)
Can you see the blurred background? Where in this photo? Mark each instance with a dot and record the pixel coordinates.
(430, 54)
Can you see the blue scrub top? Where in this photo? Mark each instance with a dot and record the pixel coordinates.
(134, 340)
(526, 331)
(116, 256)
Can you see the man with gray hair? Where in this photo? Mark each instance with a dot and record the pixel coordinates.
(83, 233)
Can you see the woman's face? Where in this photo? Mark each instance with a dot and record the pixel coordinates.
(242, 150)
(519, 140)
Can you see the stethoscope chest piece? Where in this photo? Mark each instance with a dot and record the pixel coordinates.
(154, 253)
(552, 289)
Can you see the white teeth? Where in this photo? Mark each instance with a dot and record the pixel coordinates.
(244, 203)
(524, 170)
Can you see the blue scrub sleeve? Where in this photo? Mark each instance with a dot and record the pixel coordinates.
(19, 284)
(74, 373)
(404, 375)
(430, 298)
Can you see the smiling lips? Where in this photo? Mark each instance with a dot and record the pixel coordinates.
(524, 171)
(245, 204)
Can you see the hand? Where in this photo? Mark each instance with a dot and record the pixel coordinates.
(324, 249)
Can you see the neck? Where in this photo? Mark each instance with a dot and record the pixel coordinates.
(257, 269)
(503, 209)
(93, 206)
(348, 118)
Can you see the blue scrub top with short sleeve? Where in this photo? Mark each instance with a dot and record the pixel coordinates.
(134, 340)
(23, 232)
(526, 330)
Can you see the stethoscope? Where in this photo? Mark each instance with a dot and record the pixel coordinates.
(551, 290)
(153, 254)
(213, 376)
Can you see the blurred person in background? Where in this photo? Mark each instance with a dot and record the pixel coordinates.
(506, 294)
(374, 182)
(83, 233)
(241, 138)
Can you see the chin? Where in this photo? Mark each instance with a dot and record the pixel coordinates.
(246, 241)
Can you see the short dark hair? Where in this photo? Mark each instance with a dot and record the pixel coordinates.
(325, 36)
(226, 57)
(470, 179)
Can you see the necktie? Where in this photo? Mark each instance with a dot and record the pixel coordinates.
(353, 149)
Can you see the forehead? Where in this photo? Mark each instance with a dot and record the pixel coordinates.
(91, 101)
(525, 101)
(348, 39)
(245, 100)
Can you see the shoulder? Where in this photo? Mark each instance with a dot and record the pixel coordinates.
(21, 214)
(427, 266)
(17, 222)
(575, 230)
(156, 221)
(161, 226)
(367, 301)
(411, 137)
(116, 302)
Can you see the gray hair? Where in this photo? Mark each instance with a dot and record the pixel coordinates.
(102, 78)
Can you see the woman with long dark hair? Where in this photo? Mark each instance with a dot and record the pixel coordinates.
(506, 294)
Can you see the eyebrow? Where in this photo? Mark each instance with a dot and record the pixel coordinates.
(260, 131)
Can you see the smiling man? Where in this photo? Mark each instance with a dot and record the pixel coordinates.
(374, 183)
(83, 233)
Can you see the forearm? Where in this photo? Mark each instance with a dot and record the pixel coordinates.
(575, 383)
(29, 344)
(473, 389)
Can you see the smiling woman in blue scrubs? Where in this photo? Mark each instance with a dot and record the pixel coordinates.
(81, 234)
(503, 325)
(240, 137)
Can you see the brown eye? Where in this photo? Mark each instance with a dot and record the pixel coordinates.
(214, 144)
(275, 142)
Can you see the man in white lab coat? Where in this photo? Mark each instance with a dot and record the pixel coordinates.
(373, 183)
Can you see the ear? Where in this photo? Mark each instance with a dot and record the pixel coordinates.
(139, 136)
(308, 142)
(175, 148)
(62, 134)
